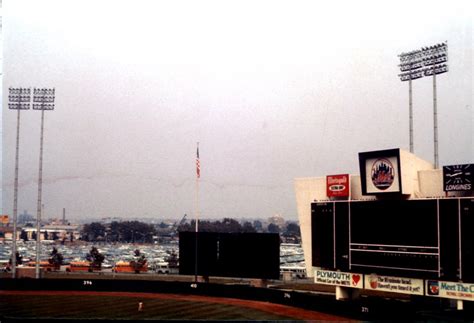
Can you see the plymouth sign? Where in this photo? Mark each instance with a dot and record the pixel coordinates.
(338, 278)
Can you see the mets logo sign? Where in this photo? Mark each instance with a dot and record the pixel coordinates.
(382, 173)
(433, 287)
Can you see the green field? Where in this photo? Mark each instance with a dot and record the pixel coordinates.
(117, 307)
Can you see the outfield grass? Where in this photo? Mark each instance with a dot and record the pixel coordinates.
(116, 307)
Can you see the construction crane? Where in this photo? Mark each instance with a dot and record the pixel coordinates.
(174, 229)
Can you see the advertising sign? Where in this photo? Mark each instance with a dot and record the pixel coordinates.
(338, 278)
(380, 172)
(394, 284)
(4, 219)
(458, 178)
(461, 291)
(337, 185)
(382, 175)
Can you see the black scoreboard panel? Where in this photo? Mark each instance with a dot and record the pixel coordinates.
(394, 237)
(429, 238)
(342, 235)
(246, 255)
(330, 232)
(206, 253)
(322, 228)
(395, 222)
(467, 240)
(449, 238)
(249, 255)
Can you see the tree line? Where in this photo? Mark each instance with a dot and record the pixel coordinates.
(228, 225)
(140, 232)
(126, 231)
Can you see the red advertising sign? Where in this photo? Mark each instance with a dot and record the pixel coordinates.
(337, 185)
(4, 219)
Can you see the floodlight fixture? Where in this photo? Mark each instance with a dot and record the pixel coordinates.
(43, 99)
(19, 98)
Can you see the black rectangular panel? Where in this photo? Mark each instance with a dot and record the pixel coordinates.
(246, 255)
(249, 255)
(467, 240)
(322, 233)
(395, 263)
(449, 239)
(342, 235)
(395, 222)
(206, 255)
(395, 237)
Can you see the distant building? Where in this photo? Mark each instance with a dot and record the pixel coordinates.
(6, 233)
(109, 220)
(25, 218)
(278, 220)
(60, 231)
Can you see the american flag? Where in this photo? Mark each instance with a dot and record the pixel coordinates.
(198, 164)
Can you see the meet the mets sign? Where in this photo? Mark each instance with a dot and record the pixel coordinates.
(454, 290)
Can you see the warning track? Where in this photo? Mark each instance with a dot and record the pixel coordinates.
(124, 305)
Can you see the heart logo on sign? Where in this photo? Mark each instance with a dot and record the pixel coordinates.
(355, 279)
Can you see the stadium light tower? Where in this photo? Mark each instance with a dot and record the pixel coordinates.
(43, 99)
(435, 59)
(18, 99)
(411, 68)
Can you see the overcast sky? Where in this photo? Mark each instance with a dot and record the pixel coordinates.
(272, 90)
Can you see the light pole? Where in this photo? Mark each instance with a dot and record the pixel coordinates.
(43, 99)
(410, 66)
(434, 61)
(18, 99)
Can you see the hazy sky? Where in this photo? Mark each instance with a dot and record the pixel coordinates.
(272, 90)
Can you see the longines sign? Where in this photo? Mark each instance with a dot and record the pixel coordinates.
(458, 178)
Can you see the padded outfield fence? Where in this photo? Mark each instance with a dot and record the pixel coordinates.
(364, 308)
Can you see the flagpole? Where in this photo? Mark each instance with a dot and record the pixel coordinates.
(198, 175)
